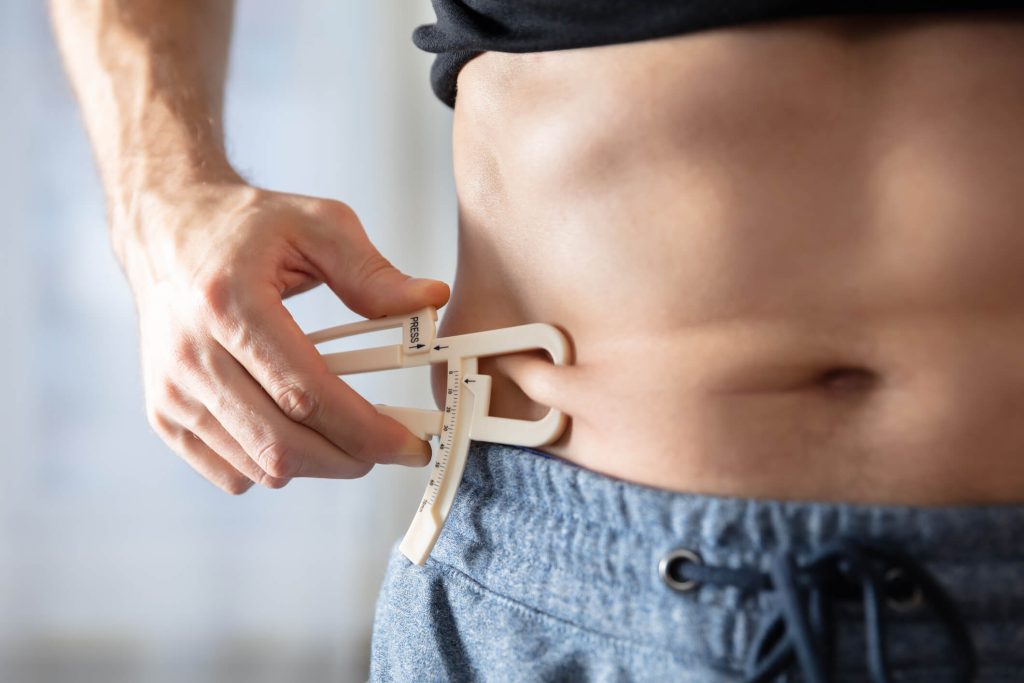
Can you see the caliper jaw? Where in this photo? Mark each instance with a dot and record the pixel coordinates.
(465, 417)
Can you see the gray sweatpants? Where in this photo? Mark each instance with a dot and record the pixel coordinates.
(548, 572)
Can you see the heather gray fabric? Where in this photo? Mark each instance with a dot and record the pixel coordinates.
(548, 572)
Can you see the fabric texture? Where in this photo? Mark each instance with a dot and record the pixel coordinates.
(548, 572)
(465, 28)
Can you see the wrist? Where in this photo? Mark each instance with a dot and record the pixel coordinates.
(148, 227)
(144, 177)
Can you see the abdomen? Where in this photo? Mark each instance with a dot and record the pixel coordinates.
(788, 255)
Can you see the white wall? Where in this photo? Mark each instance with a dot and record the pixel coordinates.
(117, 562)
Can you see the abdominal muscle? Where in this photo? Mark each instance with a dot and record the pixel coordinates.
(789, 256)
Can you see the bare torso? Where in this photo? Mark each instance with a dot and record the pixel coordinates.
(790, 256)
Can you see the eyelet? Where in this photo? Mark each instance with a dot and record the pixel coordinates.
(901, 594)
(671, 561)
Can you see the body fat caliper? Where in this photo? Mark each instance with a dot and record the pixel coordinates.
(467, 400)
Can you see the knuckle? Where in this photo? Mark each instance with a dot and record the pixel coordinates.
(172, 399)
(221, 403)
(160, 424)
(278, 460)
(378, 449)
(201, 421)
(361, 469)
(240, 337)
(168, 393)
(372, 266)
(236, 486)
(273, 482)
(184, 352)
(185, 441)
(298, 402)
(216, 296)
(337, 212)
(361, 445)
(372, 271)
(378, 433)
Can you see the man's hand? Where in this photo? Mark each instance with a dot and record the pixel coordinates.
(232, 383)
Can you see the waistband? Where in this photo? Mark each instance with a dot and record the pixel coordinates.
(586, 549)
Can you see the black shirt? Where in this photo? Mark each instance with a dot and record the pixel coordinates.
(465, 28)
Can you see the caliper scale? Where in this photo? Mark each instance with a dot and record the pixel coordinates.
(467, 400)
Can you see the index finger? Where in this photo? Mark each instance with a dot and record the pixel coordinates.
(262, 335)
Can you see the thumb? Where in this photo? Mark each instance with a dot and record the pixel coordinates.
(372, 287)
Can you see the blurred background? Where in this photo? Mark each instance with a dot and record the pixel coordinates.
(117, 562)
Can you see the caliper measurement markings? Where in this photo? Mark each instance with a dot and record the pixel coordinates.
(451, 407)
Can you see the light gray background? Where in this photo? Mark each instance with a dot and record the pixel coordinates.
(117, 562)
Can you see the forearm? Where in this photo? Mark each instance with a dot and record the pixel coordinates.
(149, 77)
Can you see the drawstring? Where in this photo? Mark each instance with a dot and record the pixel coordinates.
(799, 626)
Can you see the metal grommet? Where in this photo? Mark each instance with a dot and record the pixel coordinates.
(671, 561)
(901, 594)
